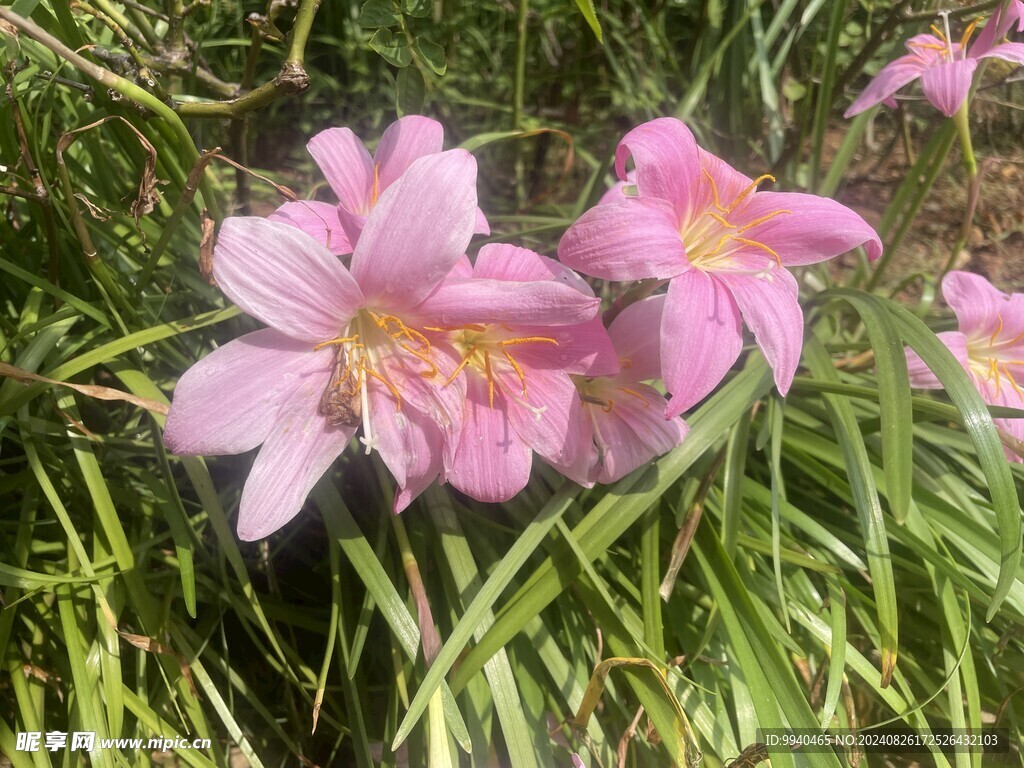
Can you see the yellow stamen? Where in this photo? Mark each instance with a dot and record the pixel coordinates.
(761, 220)
(762, 246)
(528, 339)
(997, 331)
(590, 399)
(938, 33)
(1013, 382)
(383, 380)
(517, 369)
(748, 190)
(431, 372)
(968, 32)
(634, 393)
(375, 192)
(490, 379)
(719, 218)
(334, 342)
(714, 190)
(458, 369)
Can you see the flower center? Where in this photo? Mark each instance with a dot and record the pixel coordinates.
(991, 359)
(374, 346)
(488, 349)
(712, 240)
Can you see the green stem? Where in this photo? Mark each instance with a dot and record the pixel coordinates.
(963, 131)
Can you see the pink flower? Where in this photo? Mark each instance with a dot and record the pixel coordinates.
(944, 67)
(721, 244)
(989, 344)
(343, 348)
(520, 397)
(623, 425)
(358, 180)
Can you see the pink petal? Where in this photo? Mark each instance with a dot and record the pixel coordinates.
(284, 278)
(946, 85)
(346, 165)
(492, 463)
(769, 306)
(547, 417)
(351, 224)
(921, 375)
(1013, 52)
(635, 431)
(318, 220)
(502, 261)
(979, 305)
(300, 448)
(418, 230)
(462, 302)
(463, 269)
(666, 158)
(814, 229)
(405, 140)
(617, 191)
(889, 79)
(481, 227)
(636, 336)
(581, 468)
(631, 239)
(228, 401)
(701, 337)
(410, 444)
(998, 25)
(584, 348)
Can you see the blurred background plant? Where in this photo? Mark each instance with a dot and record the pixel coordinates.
(751, 577)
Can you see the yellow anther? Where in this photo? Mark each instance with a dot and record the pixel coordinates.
(762, 246)
(719, 218)
(462, 364)
(517, 369)
(714, 189)
(938, 33)
(968, 32)
(335, 342)
(1013, 381)
(490, 379)
(431, 372)
(762, 220)
(638, 395)
(383, 380)
(530, 339)
(605, 405)
(997, 331)
(375, 192)
(748, 190)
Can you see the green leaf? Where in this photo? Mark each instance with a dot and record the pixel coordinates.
(410, 92)
(979, 426)
(378, 13)
(500, 577)
(893, 397)
(433, 55)
(590, 14)
(394, 50)
(869, 509)
(416, 8)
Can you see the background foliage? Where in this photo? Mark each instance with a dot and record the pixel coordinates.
(830, 559)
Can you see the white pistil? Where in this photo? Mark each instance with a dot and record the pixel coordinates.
(945, 24)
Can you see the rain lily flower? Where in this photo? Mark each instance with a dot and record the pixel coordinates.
(342, 351)
(721, 244)
(944, 67)
(520, 396)
(358, 180)
(623, 425)
(989, 345)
